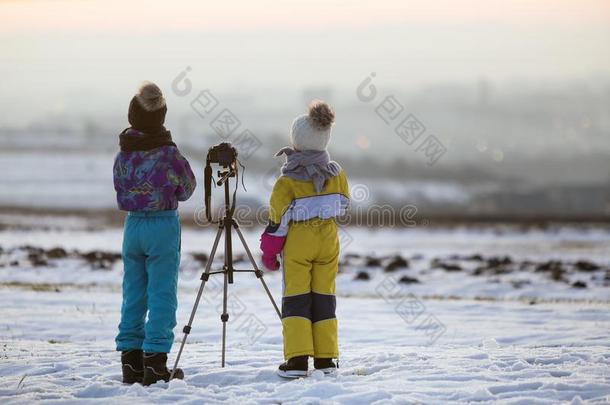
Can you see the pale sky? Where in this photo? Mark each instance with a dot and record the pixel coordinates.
(57, 51)
(246, 15)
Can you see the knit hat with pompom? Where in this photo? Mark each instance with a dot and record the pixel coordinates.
(147, 108)
(312, 131)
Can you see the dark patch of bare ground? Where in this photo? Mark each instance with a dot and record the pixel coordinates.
(32, 256)
(362, 266)
(480, 265)
(47, 287)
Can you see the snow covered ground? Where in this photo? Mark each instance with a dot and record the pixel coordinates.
(462, 335)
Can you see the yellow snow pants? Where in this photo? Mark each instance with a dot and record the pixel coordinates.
(311, 259)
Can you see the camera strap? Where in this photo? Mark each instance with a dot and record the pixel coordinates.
(207, 183)
(235, 191)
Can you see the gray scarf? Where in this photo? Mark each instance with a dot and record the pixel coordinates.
(309, 165)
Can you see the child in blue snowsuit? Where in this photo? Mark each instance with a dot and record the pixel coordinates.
(150, 177)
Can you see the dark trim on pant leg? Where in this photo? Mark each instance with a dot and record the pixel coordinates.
(297, 305)
(323, 307)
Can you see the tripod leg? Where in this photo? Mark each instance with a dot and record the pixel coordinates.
(204, 279)
(259, 273)
(224, 317)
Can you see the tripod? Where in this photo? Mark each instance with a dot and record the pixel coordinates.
(226, 225)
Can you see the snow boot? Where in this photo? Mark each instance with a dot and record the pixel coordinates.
(327, 366)
(155, 369)
(295, 367)
(133, 366)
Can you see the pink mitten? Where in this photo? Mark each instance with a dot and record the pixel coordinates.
(271, 247)
(270, 262)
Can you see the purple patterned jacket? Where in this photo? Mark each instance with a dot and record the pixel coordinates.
(153, 180)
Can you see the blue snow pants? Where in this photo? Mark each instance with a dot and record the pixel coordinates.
(151, 256)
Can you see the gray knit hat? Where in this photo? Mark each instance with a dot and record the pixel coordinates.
(312, 131)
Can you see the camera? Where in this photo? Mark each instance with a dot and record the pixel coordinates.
(223, 154)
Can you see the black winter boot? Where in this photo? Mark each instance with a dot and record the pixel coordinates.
(133, 367)
(155, 369)
(295, 367)
(325, 365)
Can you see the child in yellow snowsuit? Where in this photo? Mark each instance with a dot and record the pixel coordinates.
(311, 192)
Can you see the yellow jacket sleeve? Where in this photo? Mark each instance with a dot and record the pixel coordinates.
(281, 199)
(344, 185)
